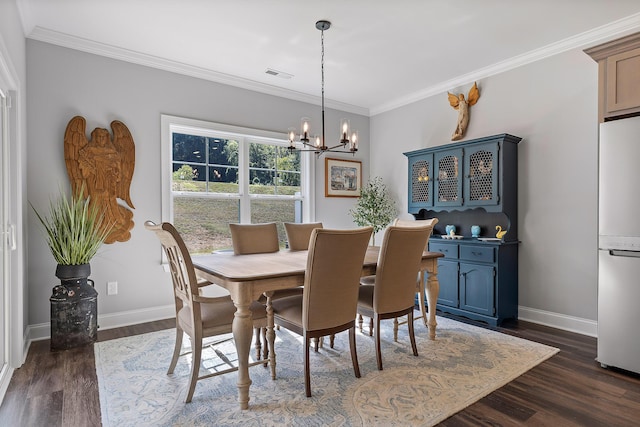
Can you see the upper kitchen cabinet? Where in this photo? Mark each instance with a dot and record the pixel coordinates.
(618, 76)
(479, 173)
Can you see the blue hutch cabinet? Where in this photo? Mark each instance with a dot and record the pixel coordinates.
(469, 183)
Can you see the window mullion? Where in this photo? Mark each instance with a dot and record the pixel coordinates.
(243, 180)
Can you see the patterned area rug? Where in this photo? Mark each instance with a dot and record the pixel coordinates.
(464, 364)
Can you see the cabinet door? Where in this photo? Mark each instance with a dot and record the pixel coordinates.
(481, 175)
(420, 182)
(448, 278)
(623, 82)
(448, 181)
(477, 288)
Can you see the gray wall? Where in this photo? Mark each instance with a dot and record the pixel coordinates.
(64, 83)
(552, 105)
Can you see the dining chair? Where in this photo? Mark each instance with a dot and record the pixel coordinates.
(254, 238)
(196, 315)
(369, 280)
(262, 238)
(392, 293)
(299, 234)
(330, 297)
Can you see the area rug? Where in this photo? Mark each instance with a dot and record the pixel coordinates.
(464, 364)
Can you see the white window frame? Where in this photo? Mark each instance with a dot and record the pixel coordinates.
(175, 124)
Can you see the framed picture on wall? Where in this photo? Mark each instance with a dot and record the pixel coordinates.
(343, 178)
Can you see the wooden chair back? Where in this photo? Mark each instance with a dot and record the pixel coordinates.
(183, 275)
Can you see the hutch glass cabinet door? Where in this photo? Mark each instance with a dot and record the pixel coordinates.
(448, 181)
(481, 180)
(420, 182)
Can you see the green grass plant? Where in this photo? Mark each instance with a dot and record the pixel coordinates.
(75, 229)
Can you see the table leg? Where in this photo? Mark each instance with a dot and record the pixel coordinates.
(421, 298)
(242, 331)
(433, 288)
(271, 335)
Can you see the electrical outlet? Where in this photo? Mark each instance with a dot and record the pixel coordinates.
(112, 288)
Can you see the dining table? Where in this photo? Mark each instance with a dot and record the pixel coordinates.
(247, 277)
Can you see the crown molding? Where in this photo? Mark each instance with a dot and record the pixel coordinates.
(89, 46)
(600, 34)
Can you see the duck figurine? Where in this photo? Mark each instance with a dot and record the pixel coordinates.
(500, 234)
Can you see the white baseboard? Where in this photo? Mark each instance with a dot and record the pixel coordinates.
(559, 321)
(5, 378)
(42, 331)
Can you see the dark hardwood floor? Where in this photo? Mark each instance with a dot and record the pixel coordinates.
(570, 389)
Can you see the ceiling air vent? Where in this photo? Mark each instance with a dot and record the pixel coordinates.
(277, 73)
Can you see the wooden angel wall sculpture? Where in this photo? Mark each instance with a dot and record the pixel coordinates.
(105, 167)
(462, 105)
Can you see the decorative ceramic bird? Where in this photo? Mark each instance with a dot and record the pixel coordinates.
(500, 234)
(462, 105)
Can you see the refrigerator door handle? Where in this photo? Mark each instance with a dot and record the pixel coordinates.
(632, 254)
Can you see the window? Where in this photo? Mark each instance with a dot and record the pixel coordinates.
(215, 174)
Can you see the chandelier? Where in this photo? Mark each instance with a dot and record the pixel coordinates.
(348, 142)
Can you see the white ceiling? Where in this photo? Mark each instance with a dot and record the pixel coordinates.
(379, 54)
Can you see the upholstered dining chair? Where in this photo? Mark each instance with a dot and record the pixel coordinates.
(262, 238)
(330, 297)
(299, 234)
(393, 291)
(197, 316)
(369, 280)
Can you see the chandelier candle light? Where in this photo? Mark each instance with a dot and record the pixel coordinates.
(348, 143)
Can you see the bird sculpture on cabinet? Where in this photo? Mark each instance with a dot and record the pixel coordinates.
(103, 167)
(500, 232)
(462, 105)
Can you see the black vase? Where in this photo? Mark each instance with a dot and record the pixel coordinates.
(74, 308)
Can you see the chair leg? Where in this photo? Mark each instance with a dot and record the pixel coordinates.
(307, 376)
(196, 345)
(332, 340)
(395, 329)
(316, 342)
(360, 321)
(378, 352)
(354, 352)
(412, 335)
(258, 343)
(371, 327)
(176, 350)
(265, 349)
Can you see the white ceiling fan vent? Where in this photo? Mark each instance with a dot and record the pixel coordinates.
(277, 73)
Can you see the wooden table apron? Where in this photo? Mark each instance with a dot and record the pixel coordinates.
(246, 277)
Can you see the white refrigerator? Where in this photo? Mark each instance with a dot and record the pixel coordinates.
(619, 245)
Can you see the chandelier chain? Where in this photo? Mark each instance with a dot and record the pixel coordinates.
(347, 143)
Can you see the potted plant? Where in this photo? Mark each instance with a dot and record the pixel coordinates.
(375, 207)
(75, 230)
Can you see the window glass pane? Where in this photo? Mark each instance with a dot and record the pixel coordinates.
(223, 179)
(188, 148)
(288, 183)
(203, 222)
(261, 181)
(278, 211)
(188, 177)
(223, 151)
(287, 160)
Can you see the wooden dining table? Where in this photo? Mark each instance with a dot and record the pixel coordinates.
(247, 277)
